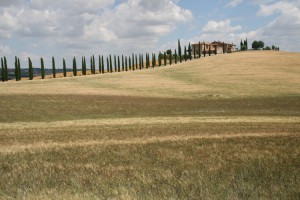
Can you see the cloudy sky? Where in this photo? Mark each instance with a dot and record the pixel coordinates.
(67, 28)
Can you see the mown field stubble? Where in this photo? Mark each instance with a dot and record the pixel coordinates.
(222, 127)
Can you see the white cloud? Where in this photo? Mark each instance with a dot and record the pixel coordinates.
(5, 50)
(233, 3)
(221, 26)
(284, 30)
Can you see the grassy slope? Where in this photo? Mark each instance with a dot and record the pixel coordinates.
(219, 127)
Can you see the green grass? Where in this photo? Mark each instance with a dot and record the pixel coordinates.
(215, 128)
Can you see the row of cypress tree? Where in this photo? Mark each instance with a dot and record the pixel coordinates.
(117, 64)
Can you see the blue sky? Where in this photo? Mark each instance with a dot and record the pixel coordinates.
(67, 28)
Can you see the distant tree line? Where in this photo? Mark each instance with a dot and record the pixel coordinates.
(113, 63)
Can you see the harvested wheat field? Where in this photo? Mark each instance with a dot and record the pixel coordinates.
(220, 127)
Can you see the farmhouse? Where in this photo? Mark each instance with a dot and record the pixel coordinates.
(218, 46)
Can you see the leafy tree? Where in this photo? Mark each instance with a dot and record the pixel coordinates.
(64, 68)
(53, 68)
(268, 48)
(257, 44)
(42, 68)
(2, 70)
(74, 67)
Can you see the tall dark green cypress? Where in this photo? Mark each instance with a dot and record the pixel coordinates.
(133, 66)
(223, 47)
(159, 59)
(110, 64)
(19, 69)
(74, 67)
(42, 68)
(2, 70)
(107, 64)
(100, 68)
(194, 51)
(179, 51)
(147, 60)
(175, 57)
(165, 59)
(185, 55)
(140, 62)
(30, 69)
(129, 62)
(83, 66)
(91, 64)
(64, 68)
(209, 50)
(142, 58)
(102, 62)
(94, 64)
(190, 51)
(5, 69)
(126, 66)
(115, 62)
(16, 69)
(136, 61)
(216, 49)
(53, 68)
(123, 63)
(204, 53)
(199, 49)
(119, 64)
(170, 57)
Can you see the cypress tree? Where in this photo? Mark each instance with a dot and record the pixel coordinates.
(102, 62)
(126, 66)
(199, 49)
(53, 68)
(204, 50)
(74, 67)
(185, 55)
(179, 51)
(2, 70)
(16, 69)
(129, 60)
(19, 69)
(142, 56)
(165, 59)
(94, 65)
(140, 61)
(159, 59)
(190, 51)
(147, 61)
(30, 69)
(100, 68)
(119, 64)
(223, 47)
(5, 69)
(133, 67)
(175, 57)
(216, 48)
(209, 50)
(83, 65)
(136, 61)
(170, 57)
(42, 68)
(194, 51)
(64, 68)
(123, 63)
(110, 64)
(115, 62)
(107, 64)
(91, 64)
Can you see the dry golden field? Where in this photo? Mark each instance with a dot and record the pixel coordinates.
(220, 127)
